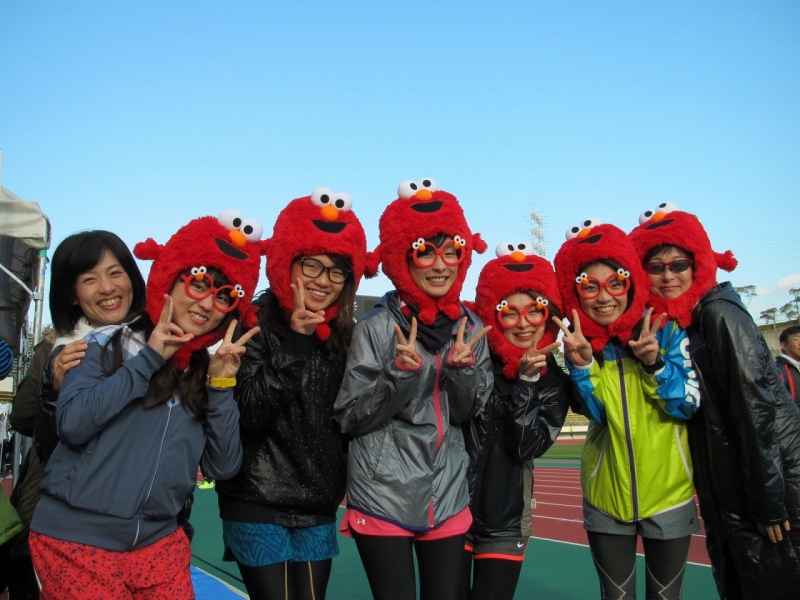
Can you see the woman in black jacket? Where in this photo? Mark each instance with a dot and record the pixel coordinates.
(279, 512)
(745, 439)
(517, 293)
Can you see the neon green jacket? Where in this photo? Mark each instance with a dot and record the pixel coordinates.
(636, 461)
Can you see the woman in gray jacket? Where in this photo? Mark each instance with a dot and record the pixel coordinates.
(418, 367)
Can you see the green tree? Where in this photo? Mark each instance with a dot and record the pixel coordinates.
(747, 292)
(789, 310)
(795, 294)
(770, 315)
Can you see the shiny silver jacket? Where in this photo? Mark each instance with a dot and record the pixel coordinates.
(407, 462)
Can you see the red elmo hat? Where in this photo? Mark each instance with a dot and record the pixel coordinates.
(229, 243)
(666, 225)
(322, 223)
(588, 243)
(422, 211)
(516, 269)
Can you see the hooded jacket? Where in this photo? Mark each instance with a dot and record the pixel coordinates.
(407, 463)
(746, 450)
(293, 470)
(790, 375)
(519, 422)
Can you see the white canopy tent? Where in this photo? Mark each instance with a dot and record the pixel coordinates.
(24, 240)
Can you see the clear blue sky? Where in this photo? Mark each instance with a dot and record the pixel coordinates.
(137, 117)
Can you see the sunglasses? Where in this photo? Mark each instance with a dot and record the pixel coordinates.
(675, 266)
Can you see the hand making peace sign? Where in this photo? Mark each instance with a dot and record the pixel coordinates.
(167, 337)
(303, 320)
(646, 347)
(461, 354)
(407, 355)
(227, 359)
(577, 348)
(533, 361)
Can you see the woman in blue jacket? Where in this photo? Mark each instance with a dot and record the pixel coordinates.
(143, 408)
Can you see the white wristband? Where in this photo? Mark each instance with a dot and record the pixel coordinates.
(531, 378)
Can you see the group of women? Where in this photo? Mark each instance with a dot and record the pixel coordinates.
(426, 415)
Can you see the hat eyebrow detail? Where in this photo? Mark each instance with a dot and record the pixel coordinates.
(230, 250)
(519, 267)
(660, 224)
(427, 207)
(330, 227)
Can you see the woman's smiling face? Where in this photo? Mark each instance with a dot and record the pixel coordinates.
(604, 308)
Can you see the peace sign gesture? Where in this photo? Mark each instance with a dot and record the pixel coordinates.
(407, 356)
(534, 360)
(461, 354)
(646, 347)
(577, 348)
(167, 337)
(227, 359)
(303, 320)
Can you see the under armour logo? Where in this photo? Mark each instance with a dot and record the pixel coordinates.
(520, 544)
(361, 521)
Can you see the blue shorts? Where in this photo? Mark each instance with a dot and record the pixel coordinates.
(261, 544)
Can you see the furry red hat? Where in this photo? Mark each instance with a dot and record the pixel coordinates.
(322, 223)
(666, 225)
(516, 269)
(590, 242)
(422, 211)
(229, 243)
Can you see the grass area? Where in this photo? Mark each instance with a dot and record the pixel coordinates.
(564, 451)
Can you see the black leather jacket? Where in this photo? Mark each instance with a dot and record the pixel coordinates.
(745, 443)
(294, 466)
(519, 422)
(45, 434)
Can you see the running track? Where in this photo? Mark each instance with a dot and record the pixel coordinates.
(558, 514)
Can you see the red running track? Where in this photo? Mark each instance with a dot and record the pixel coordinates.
(559, 509)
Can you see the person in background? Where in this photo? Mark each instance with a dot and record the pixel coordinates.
(418, 367)
(95, 282)
(518, 294)
(6, 359)
(788, 361)
(745, 440)
(638, 390)
(144, 407)
(279, 512)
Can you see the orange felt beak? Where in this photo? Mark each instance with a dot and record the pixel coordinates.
(329, 213)
(423, 195)
(659, 216)
(518, 256)
(584, 232)
(237, 238)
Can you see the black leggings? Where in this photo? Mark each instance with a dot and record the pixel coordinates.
(492, 578)
(287, 580)
(389, 564)
(615, 560)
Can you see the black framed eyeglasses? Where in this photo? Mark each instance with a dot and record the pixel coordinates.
(312, 268)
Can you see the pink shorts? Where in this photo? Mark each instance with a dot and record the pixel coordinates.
(354, 520)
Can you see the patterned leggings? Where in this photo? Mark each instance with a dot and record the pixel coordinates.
(69, 571)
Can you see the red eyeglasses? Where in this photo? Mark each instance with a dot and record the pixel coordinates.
(199, 286)
(425, 253)
(510, 315)
(616, 285)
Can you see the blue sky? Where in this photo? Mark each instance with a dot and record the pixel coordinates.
(137, 117)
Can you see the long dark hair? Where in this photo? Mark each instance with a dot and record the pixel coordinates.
(189, 384)
(78, 254)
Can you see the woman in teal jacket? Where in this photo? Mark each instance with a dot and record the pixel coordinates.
(636, 385)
